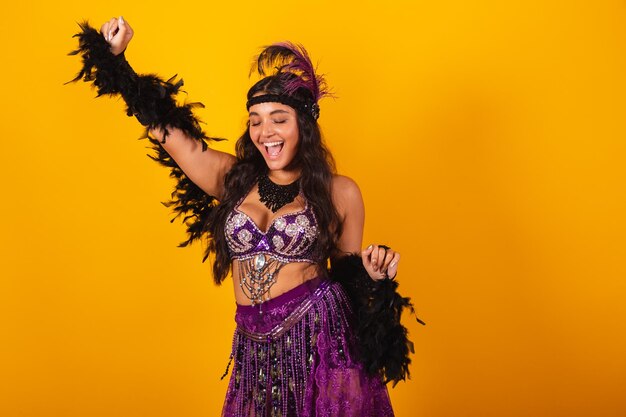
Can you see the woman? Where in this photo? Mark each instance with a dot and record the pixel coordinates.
(309, 342)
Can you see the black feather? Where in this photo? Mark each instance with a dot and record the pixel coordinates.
(272, 59)
(383, 340)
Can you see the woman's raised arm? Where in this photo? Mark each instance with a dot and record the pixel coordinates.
(178, 140)
(206, 168)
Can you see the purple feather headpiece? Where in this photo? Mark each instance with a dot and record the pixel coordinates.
(292, 64)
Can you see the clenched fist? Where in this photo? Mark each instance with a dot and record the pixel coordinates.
(117, 33)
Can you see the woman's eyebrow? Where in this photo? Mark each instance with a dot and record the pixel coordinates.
(253, 113)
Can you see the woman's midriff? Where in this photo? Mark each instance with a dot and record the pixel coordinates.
(290, 276)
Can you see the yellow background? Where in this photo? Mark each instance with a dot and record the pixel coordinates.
(487, 138)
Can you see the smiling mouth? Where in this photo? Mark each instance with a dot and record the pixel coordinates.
(273, 148)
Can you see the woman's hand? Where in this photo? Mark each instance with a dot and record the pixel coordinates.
(117, 33)
(380, 262)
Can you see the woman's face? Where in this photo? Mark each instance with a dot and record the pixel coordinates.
(274, 131)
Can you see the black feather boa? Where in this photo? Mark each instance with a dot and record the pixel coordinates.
(383, 340)
(152, 101)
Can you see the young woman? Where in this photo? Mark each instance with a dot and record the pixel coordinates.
(309, 341)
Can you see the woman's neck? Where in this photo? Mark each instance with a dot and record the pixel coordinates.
(283, 177)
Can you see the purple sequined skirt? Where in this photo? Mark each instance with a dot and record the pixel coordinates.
(298, 358)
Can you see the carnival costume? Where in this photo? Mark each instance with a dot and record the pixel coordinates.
(324, 348)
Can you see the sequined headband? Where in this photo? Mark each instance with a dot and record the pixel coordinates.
(305, 107)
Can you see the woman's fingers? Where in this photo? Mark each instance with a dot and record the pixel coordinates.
(380, 262)
(368, 261)
(104, 30)
(365, 255)
(122, 37)
(392, 270)
(374, 257)
(126, 29)
(113, 26)
(389, 254)
(108, 28)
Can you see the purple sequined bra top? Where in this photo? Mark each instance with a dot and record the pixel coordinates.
(290, 237)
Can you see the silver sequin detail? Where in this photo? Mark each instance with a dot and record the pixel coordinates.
(278, 242)
(239, 220)
(291, 229)
(244, 236)
(302, 220)
(235, 221)
(280, 224)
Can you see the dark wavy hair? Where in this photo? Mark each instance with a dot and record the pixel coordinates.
(317, 168)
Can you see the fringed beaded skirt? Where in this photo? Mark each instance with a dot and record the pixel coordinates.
(296, 355)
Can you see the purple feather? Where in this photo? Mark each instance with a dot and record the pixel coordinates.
(289, 58)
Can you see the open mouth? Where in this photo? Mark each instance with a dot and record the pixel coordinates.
(273, 148)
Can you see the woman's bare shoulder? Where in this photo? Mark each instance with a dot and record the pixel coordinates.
(346, 193)
(343, 184)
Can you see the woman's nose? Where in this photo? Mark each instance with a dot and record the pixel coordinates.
(268, 130)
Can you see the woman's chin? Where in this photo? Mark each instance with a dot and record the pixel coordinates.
(275, 165)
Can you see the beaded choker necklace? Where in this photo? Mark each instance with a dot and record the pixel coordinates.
(275, 196)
